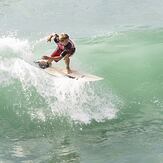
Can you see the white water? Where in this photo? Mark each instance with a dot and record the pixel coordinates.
(66, 97)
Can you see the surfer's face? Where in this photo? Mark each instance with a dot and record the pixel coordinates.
(64, 42)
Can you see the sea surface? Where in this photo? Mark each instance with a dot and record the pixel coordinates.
(44, 119)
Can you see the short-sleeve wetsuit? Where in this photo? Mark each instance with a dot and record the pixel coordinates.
(63, 50)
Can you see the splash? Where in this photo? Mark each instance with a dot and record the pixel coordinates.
(76, 100)
(10, 46)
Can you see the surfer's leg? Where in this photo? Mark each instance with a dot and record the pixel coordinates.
(67, 62)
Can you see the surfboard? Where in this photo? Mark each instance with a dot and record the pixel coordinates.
(57, 71)
(60, 72)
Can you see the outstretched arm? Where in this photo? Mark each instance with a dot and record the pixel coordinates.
(54, 35)
(57, 58)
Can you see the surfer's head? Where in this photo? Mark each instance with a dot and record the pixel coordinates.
(64, 38)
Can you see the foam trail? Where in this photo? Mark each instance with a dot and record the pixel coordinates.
(66, 97)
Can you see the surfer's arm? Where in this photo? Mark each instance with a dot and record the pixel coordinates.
(47, 57)
(55, 36)
(57, 58)
(68, 51)
(65, 53)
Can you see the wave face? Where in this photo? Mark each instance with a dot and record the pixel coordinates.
(48, 119)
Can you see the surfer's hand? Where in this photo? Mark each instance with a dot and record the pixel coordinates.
(45, 57)
(49, 39)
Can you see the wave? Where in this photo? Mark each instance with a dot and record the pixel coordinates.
(76, 100)
(121, 58)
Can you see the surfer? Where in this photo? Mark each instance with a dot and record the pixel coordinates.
(65, 49)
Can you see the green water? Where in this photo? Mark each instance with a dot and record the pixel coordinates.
(39, 126)
(116, 120)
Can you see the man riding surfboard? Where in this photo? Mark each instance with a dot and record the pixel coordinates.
(65, 49)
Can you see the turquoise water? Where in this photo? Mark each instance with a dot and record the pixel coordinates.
(116, 120)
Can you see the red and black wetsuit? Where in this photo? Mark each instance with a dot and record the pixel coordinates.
(61, 49)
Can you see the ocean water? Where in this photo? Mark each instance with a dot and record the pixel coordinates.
(58, 120)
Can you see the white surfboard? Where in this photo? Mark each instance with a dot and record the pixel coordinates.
(61, 72)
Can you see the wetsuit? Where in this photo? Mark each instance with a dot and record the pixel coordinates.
(61, 49)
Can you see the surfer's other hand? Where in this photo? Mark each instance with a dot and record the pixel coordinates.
(49, 39)
(45, 57)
